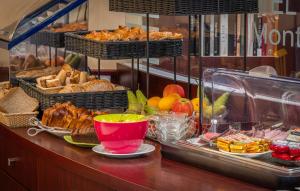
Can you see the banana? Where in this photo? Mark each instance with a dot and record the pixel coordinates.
(150, 110)
(206, 100)
(140, 97)
(219, 106)
(133, 105)
(222, 100)
(208, 112)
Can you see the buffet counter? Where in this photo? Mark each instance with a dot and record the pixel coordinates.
(46, 163)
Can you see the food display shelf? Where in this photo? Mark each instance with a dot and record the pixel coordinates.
(121, 49)
(262, 173)
(89, 100)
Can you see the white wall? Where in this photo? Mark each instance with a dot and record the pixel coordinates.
(101, 18)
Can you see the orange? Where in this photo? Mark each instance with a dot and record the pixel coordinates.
(153, 101)
(166, 103)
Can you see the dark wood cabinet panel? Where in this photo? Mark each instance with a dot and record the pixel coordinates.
(19, 162)
(9, 184)
(55, 177)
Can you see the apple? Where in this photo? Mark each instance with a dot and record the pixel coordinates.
(183, 105)
(172, 89)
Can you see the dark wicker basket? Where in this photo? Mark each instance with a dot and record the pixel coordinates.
(238, 6)
(49, 38)
(122, 49)
(90, 100)
(14, 81)
(184, 7)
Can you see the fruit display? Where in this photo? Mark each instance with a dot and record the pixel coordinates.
(240, 143)
(174, 100)
(124, 33)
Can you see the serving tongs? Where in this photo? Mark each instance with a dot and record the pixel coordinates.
(38, 127)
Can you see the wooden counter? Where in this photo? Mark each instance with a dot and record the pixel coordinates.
(46, 163)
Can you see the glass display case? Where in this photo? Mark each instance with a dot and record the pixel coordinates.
(252, 131)
(34, 36)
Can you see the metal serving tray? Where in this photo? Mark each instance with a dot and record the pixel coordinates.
(261, 171)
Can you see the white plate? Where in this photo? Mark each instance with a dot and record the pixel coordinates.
(247, 155)
(144, 149)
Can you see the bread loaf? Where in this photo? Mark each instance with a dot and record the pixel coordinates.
(85, 135)
(98, 85)
(71, 88)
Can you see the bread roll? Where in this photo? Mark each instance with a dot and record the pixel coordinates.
(62, 75)
(53, 83)
(83, 77)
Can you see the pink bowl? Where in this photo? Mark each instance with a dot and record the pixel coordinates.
(121, 137)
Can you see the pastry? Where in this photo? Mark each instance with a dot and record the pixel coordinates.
(85, 135)
(66, 115)
(240, 143)
(124, 33)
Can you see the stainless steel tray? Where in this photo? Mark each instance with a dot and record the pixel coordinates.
(261, 171)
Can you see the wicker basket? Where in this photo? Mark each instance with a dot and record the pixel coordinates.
(76, 42)
(15, 120)
(49, 38)
(90, 100)
(184, 7)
